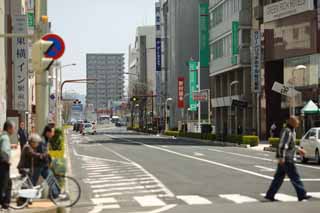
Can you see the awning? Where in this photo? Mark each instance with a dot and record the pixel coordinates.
(310, 108)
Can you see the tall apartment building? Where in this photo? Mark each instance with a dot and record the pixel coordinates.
(108, 69)
(230, 66)
(180, 43)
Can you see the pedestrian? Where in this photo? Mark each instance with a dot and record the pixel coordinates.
(43, 167)
(240, 130)
(22, 135)
(30, 158)
(5, 154)
(273, 130)
(286, 165)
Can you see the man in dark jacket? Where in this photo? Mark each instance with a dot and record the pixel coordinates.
(22, 135)
(286, 166)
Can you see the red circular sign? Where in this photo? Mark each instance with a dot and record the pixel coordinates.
(58, 47)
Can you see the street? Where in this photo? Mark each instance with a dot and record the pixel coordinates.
(123, 171)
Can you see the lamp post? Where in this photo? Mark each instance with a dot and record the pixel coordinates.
(293, 96)
(58, 98)
(236, 114)
(166, 110)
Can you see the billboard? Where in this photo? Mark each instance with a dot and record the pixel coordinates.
(181, 92)
(204, 35)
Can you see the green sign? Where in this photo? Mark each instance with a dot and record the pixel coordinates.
(234, 60)
(204, 35)
(235, 38)
(193, 80)
(193, 65)
(30, 19)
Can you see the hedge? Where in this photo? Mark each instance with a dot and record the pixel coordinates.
(251, 140)
(274, 142)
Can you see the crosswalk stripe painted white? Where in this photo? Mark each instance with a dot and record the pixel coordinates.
(149, 201)
(98, 201)
(131, 192)
(194, 200)
(284, 197)
(113, 185)
(99, 175)
(314, 194)
(118, 189)
(237, 198)
(139, 180)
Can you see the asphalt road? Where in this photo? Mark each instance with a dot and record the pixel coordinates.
(123, 171)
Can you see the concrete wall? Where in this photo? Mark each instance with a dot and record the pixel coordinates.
(3, 107)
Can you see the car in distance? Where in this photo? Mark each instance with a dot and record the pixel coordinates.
(310, 143)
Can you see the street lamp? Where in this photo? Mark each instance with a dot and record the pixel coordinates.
(58, 98)
(166, 108)
(297, 68)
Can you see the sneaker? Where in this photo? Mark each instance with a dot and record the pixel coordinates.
(307, 197)
(272, 199)
(63, 196)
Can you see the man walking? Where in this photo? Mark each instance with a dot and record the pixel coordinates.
(286, 166)
(5, 153)
(22, 135)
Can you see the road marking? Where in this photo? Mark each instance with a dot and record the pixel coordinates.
(139, 180)
(283, 197)
(100, 208)
(237, 198)
(198, 154)
(264, 169)
(99, 175)
(162, 209)
(314, 194)
(118, 189)
(194, 200)
(259, 158)
(98, 201)
(113, 185)
(149, 201)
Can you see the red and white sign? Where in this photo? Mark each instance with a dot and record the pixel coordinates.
(200, 96)
(181, 92)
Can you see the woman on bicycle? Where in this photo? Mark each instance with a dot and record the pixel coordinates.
(30, 158)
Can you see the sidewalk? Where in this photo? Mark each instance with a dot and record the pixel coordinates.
(37, 206)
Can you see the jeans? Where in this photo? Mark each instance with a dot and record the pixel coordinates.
(291, 170)
(5, 185)
(45, 172)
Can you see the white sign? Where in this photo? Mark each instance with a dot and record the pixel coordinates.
(30, 5)
(20, 63)
(284, 90)
(286, 8)
(200, 96)
(256, 61)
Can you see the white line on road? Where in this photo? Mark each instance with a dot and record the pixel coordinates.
(149, 201)
(139, 180)
(129, 192)
(314, 194)
(198, 154)
(113, 185)
(194, 200)
(118, 189)
(99, 175)
(100, 208)
(97, 201)
(283, 197)
(264, 169)
(237, 198)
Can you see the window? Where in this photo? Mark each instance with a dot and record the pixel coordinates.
(221, 48)
(224, 11)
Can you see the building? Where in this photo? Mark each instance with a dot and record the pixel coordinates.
(108, 69)
(233, 102)
(179, 22)
(142, 71)
(291, 38)
(3, 105)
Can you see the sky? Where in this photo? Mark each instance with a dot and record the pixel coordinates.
(96, 26)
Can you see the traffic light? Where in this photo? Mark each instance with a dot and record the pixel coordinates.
(39, 61)
(134, 99)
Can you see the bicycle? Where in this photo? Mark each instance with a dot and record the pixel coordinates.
(64, 191)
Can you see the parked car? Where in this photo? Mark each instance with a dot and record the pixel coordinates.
(88, 129)
(310, 142)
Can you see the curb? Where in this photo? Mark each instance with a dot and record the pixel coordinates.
(270, 149)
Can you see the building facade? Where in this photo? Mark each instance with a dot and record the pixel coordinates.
(291, 39)
(3, 105)
(108, 69)
(180, 43)
(230, 67)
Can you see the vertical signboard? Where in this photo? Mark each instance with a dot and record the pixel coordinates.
(20, 63)
(235, 42)
(255, 61)
(193, 83)
(204, 34)
(318, 15)
(181, 92)
(158, 37)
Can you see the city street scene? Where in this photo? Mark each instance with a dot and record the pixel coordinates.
(159, 106)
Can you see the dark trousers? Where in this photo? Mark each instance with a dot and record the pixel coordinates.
(5, 185)
(291, 170)
(39, 171)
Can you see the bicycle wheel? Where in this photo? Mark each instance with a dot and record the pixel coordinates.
(18, 184)
(64, 191)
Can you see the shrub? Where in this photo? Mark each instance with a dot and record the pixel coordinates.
(172, 133)
(251, 140)
(274, 142)
(234, 139)
(212, 137)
